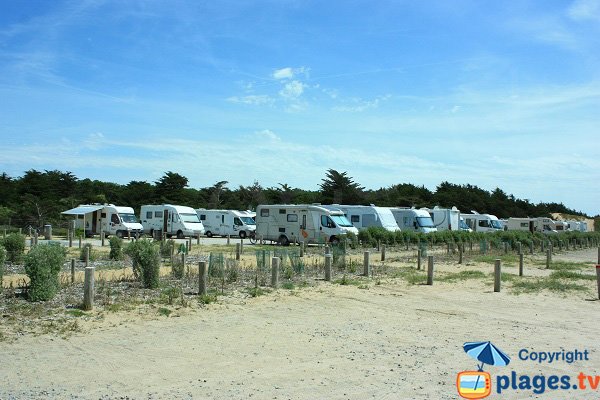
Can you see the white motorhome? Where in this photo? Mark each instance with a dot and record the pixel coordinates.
(544, 225)
(574, 225)
(482, 222)
(171, 219)
(107, 218)
(365, 216)
(285, 223)
(520, 224)
(227, 222)
(411, 219)
(561, 226)
(445, 219)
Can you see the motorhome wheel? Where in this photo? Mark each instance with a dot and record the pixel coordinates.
(208, 234)
(242, 234)
(180, 235)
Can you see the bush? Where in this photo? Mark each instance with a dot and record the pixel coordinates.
(116, 248)
(2, 258)
(167, 248)
(83, 250)
(145, 257)
(42, 266)
(15, 247)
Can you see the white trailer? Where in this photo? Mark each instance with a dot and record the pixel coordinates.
(107, 218)
(520, 224)
(574, 225)
(482, 222)
(445, 219)
(285, 223)
(180, 221)
(411, 219)
(363, 217)
(227, 222)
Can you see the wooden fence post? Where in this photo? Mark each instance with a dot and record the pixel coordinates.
(202, 278)
(520, 264)
(328, 260)
(72, 270)
(237, 251)
(430, 270)
(275, 272)
(497, 275)
(366, 264)
(383, 252)
(419, 259)
(88, 289)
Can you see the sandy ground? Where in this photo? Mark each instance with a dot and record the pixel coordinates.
(390, 341)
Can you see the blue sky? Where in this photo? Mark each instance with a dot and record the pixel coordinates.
(492, 93)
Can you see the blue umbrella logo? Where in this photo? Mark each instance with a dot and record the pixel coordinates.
(486, 353)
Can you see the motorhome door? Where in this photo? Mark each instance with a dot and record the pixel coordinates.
(166, 222)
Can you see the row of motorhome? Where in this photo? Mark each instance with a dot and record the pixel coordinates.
(173, 220)
(544, 225)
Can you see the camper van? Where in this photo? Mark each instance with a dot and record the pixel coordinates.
(365, 216)
(520, 224)
(107, 218)
(285, 223)
(445, 219)
(181, 221)
(227, 222)
(544, 225)
(482, 222)
(411, 219)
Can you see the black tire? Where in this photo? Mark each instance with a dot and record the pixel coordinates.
(284, 241)
(120, 234)
(208, 234)
(242, 234)
(334, 240)
(180, 235)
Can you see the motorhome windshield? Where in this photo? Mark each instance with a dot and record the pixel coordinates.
(128, 218)
(185, 217)
(425, 222)
(248, 220)
(340, 220)
(495, 224)
(463, 224)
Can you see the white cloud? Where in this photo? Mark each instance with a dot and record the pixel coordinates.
(360, 105)
(283, 73)
(292, 90)
(267, 134)
(585, 9)
(251, 99)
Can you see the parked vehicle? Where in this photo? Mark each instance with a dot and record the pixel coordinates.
(108, 218)
(412, 219)
(227, 222)
(520, 224)
(445, 219)
(574, 225)
(482, 222)
(363, 217)
(285, 223)
(544, 225)
(463, 225)
(171, 219)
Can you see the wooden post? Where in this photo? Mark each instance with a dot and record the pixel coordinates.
(202, 277)
(275, 272)
(31, 242)
(70, 238)
(102, 237)
(599, 255)
(531, 247)
(87, 257)
(80, 241)
(241, 246)
(328, 260)
(301, 249)
(430, 270)
(548, 258)
(237, 251)
(72, 270)
(228, 239)
(519, 248)
(129, 235)
(366, 264)
(460, 254)
(419, 259)
(497, 275)
(378, 245)
(327, 249)
(542, 246)
(198, 239)
(88, 289)
(520, 264)
(560, 245)
(35, 237)
(383, 252)
(447, 248)
(505, 247)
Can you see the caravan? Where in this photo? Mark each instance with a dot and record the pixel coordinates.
(171, 219)
(411, 219)
(446, 219)
(366, 216)
(285, 223)
(482, 222)
(106, 218)
(520, 224)
(227, 222)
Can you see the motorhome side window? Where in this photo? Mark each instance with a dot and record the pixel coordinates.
(282, 211)
(292, 217)
(264, 212)
(149, 214)
(237, 221)
(114, 218)
(102, 215)
(327, 222)
(157, 214)
(483, 223)
(202, 217)
(355, 218)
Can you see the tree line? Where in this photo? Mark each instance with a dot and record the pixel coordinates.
(38, 197)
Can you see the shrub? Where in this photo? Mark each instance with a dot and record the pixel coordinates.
(146, 262)
(2, 258)
(42, 266)
(15, 247)
(167, 248)
(116, 248)
(84, 249)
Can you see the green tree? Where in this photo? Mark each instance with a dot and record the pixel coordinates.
(170, 187)
(338, 187)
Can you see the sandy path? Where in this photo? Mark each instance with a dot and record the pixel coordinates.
(329, 342)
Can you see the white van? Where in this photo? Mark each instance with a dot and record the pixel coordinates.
(544, 225)
(482, 222)
(285, 223)
(366, 216)
(520, 224)
(227, 222)
(181, 221)
(108, 218)
(445, 219)
(411, 219)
